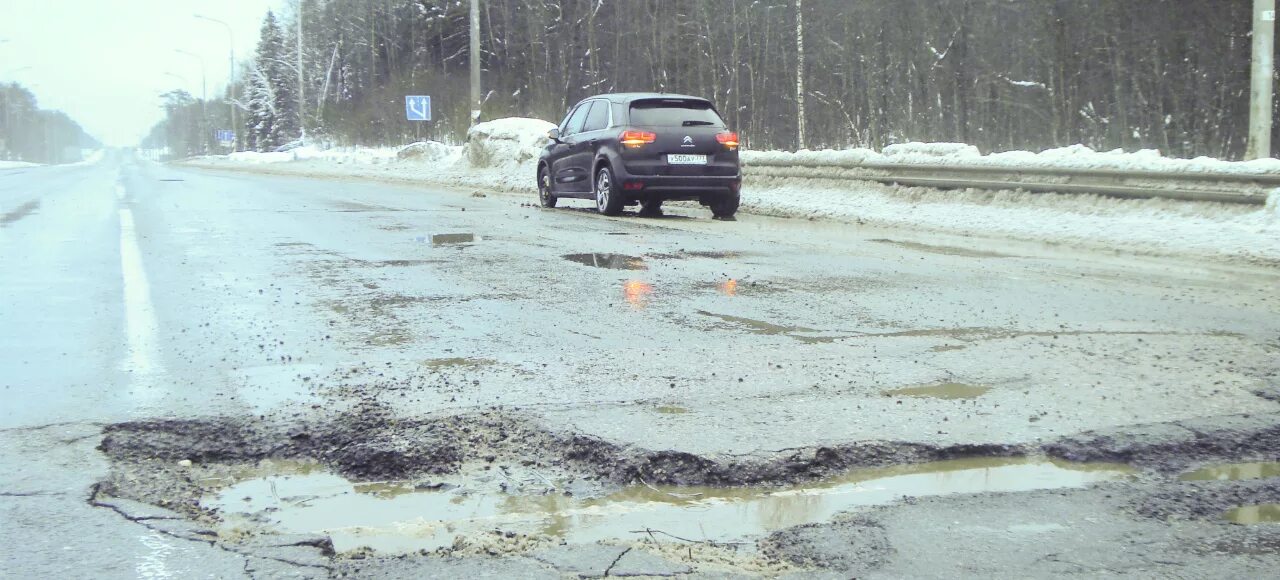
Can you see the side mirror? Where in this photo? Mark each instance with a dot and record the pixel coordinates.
(554, 135)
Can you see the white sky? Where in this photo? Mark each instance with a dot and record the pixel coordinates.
(104, 61)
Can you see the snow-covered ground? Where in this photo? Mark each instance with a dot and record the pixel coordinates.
(15, 164)
(501, 156)
(1073, 157)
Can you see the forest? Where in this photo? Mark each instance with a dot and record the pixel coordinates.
(29, 133)
(1171, 75)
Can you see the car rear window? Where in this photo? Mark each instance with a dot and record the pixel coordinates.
(674, 113)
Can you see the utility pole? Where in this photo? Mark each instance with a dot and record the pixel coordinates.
(475, 62)
(231, 81)
(302, 99)
(1260, 96)
(800, 74)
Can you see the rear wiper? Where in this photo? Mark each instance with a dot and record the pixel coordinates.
(696, 123)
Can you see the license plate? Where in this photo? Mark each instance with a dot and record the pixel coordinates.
(686, 159)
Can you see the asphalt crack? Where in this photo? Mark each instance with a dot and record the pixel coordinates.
(246, 554)
(616, 560)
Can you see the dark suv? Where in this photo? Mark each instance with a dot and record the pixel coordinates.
(646, 148)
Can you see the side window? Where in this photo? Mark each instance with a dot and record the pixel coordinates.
(577, 119)
(598, 118)
(564, 125)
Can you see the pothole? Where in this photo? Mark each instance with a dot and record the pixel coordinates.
(406, 516)
(800, 333)
(1254, 514)
(1234, 471)
(609, 261)
(457, 362)
(452, 239)
(945, 391)
(944, 250)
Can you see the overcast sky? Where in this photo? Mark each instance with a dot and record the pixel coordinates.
(104, 61)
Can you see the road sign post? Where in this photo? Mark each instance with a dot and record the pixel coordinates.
(225, 137)
(417, 107)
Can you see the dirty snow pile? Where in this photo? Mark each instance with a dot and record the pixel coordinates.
(1073, 157)
(501, 155)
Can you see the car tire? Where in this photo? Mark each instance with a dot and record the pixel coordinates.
(723, 207)
(608, 195)
(545, 198)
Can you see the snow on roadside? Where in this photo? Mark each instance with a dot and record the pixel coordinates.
(15, 164)
(1143, 226)
(501, 156)
(1073, 157)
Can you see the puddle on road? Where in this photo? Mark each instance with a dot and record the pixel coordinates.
(457, 362)
(945, 250)
(753, 326)
(1234, 472)
(946, 391)
(397, 517)
(1268, 513)
(609, 261)
(22, 211)
(450, 239)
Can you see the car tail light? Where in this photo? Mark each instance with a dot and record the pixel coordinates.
(729, 139)
(633, 139)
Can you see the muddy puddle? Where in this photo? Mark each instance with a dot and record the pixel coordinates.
(1268, 513)
(1234, 472)
(452, 239)
(945, 391)
(608, 261)
(457, 362)
(943, 250)
(400, 517)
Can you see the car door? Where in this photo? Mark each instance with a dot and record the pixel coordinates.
(566, 168)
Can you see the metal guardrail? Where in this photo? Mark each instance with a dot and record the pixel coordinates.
(1248, 189)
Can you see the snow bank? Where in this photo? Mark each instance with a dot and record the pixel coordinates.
(1073, 157)
(426, 151)
(1153, 226)
(506, 142)
(909, 150)
(15, 164)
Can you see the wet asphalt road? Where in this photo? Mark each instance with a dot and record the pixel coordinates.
(136, 290)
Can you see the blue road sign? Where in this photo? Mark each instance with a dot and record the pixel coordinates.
(417, 107)
(225, 136)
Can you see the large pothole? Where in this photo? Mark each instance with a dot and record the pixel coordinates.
(502, 483)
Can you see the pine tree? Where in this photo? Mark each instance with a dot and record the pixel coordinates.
(272, 118)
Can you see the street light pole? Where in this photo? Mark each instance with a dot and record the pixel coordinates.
(1260, 95)
(231, 82)
(203, 84)
(302, 99)
(475, 62)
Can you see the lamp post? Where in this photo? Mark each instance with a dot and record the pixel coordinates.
(203, 79)
(231, 82)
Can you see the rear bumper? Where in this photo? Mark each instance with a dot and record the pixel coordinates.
(677, 187)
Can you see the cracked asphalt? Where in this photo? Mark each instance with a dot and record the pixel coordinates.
(680, 349)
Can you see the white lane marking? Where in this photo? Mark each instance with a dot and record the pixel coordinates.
(139, 314)
(120, 191)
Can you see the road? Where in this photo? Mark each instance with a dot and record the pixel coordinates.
(136, 291)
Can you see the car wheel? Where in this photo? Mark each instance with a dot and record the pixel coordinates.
(725, 206)
(608, 199)
(544, 188)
